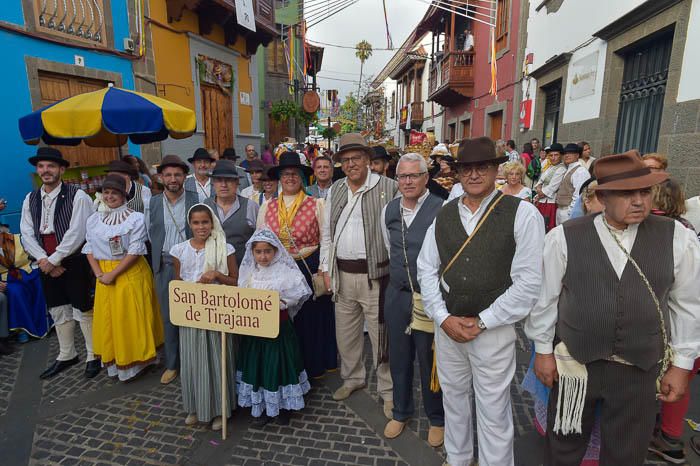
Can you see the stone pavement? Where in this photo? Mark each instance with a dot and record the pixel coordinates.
(72, 421)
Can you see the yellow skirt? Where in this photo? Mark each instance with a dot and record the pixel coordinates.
(127, 328)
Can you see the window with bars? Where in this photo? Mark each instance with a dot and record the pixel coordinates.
(82, 20)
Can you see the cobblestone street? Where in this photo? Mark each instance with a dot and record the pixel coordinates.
(72, 421)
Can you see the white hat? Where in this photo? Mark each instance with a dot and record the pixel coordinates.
(440, 149)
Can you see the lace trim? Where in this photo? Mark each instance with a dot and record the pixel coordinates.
(289, 397)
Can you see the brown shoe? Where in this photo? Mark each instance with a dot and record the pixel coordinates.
(393, 428)
(389, 409)
(345, 391)
(436, 436)
(168, 376)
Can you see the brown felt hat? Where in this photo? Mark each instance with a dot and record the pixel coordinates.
(172, 161)
(624, 172)
(115, 182)
(477, 151)
(352, 141)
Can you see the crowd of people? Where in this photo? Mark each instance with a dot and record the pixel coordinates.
(436, 259)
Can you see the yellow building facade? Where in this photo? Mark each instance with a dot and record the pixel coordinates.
(206, 61)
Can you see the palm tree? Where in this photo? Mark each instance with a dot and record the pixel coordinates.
(363, 50)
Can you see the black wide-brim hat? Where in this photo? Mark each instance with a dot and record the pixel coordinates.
(225, 169)
(477, 151)
(380, 153)
(201, 154)
(288, 160)
(572, 148)
(49, 154)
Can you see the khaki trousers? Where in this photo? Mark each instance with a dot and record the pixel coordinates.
(357, 303)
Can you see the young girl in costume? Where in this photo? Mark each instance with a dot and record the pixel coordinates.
(206, 258)
(271, 376)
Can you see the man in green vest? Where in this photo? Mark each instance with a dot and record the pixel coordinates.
(479, 272)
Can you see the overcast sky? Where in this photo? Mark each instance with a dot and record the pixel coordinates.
(363, 20)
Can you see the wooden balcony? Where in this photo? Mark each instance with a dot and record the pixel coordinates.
(265, 14)
(452, 78)
(417, 114)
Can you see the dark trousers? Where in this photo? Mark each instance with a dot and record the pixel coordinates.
(627, 396)
(172, 332)
(403, 350)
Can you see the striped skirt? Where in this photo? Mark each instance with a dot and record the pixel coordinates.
(200, 373)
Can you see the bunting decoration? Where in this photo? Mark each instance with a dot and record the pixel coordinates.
(389, 41)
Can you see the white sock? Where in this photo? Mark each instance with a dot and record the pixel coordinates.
(86, 328)
(66, 342)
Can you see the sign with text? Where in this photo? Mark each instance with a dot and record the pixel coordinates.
(245, 15)
(230, 309)
(583, 76)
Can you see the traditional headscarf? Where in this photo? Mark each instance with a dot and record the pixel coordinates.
(215, 252)
(291, 284)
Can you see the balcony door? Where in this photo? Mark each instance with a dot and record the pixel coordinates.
(496, 119)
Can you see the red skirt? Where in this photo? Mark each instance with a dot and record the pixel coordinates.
(549, 212)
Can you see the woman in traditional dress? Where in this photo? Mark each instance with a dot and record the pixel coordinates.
(127, 328)
(271, 377)
(296, 218)
(206, 258)
(21, 284)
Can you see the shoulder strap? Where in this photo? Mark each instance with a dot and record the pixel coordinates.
(469, 237)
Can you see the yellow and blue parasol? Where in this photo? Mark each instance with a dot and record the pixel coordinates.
(107, 118)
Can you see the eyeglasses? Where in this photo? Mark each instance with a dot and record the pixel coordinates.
(481, 170)
(355, 160)
(289, 175)
(410, 176)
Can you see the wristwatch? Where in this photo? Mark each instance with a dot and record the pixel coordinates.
(480, 323)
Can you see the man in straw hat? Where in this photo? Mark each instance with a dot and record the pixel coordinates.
(481, 277)
(166, 219)
(53, 232)
(356, 265)
(616, 324)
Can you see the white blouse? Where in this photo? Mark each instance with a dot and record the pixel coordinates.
(131, 234)
(192, 260)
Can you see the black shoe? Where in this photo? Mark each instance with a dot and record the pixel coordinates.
(92, 368)
(667, 448)
(57, 367)
(260, 422)
(283, 417)
(5, 347)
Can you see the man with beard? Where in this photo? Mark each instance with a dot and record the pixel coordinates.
(167, 226)
(53, 233)
(199, 181)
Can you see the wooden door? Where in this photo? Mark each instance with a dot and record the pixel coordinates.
(276, 131)
(466, 129)
(496, 125)
(54, 87)
(218, 118)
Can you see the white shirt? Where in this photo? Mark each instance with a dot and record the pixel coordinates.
(693, 214)
(456, 191)
(174, 221)
(203, 190)
(683, 300)
(550, 182)
(249, 192)
(131, 233)
(350, 243)
(577, 179)
(74, 236)
(513, 156)
(408, 216)
(192, 260)
(525, 270)
(251, 213)
(587, 163)
(469, 42)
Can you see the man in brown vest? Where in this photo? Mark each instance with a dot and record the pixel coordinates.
(570, 185)
(481, 277)
(617, 318)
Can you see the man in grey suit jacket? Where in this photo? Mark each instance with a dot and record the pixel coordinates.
(167, 226)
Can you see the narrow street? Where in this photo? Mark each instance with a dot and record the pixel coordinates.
(72, 421)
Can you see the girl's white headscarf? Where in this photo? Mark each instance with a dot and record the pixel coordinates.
(215, 253)
(290, 282)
